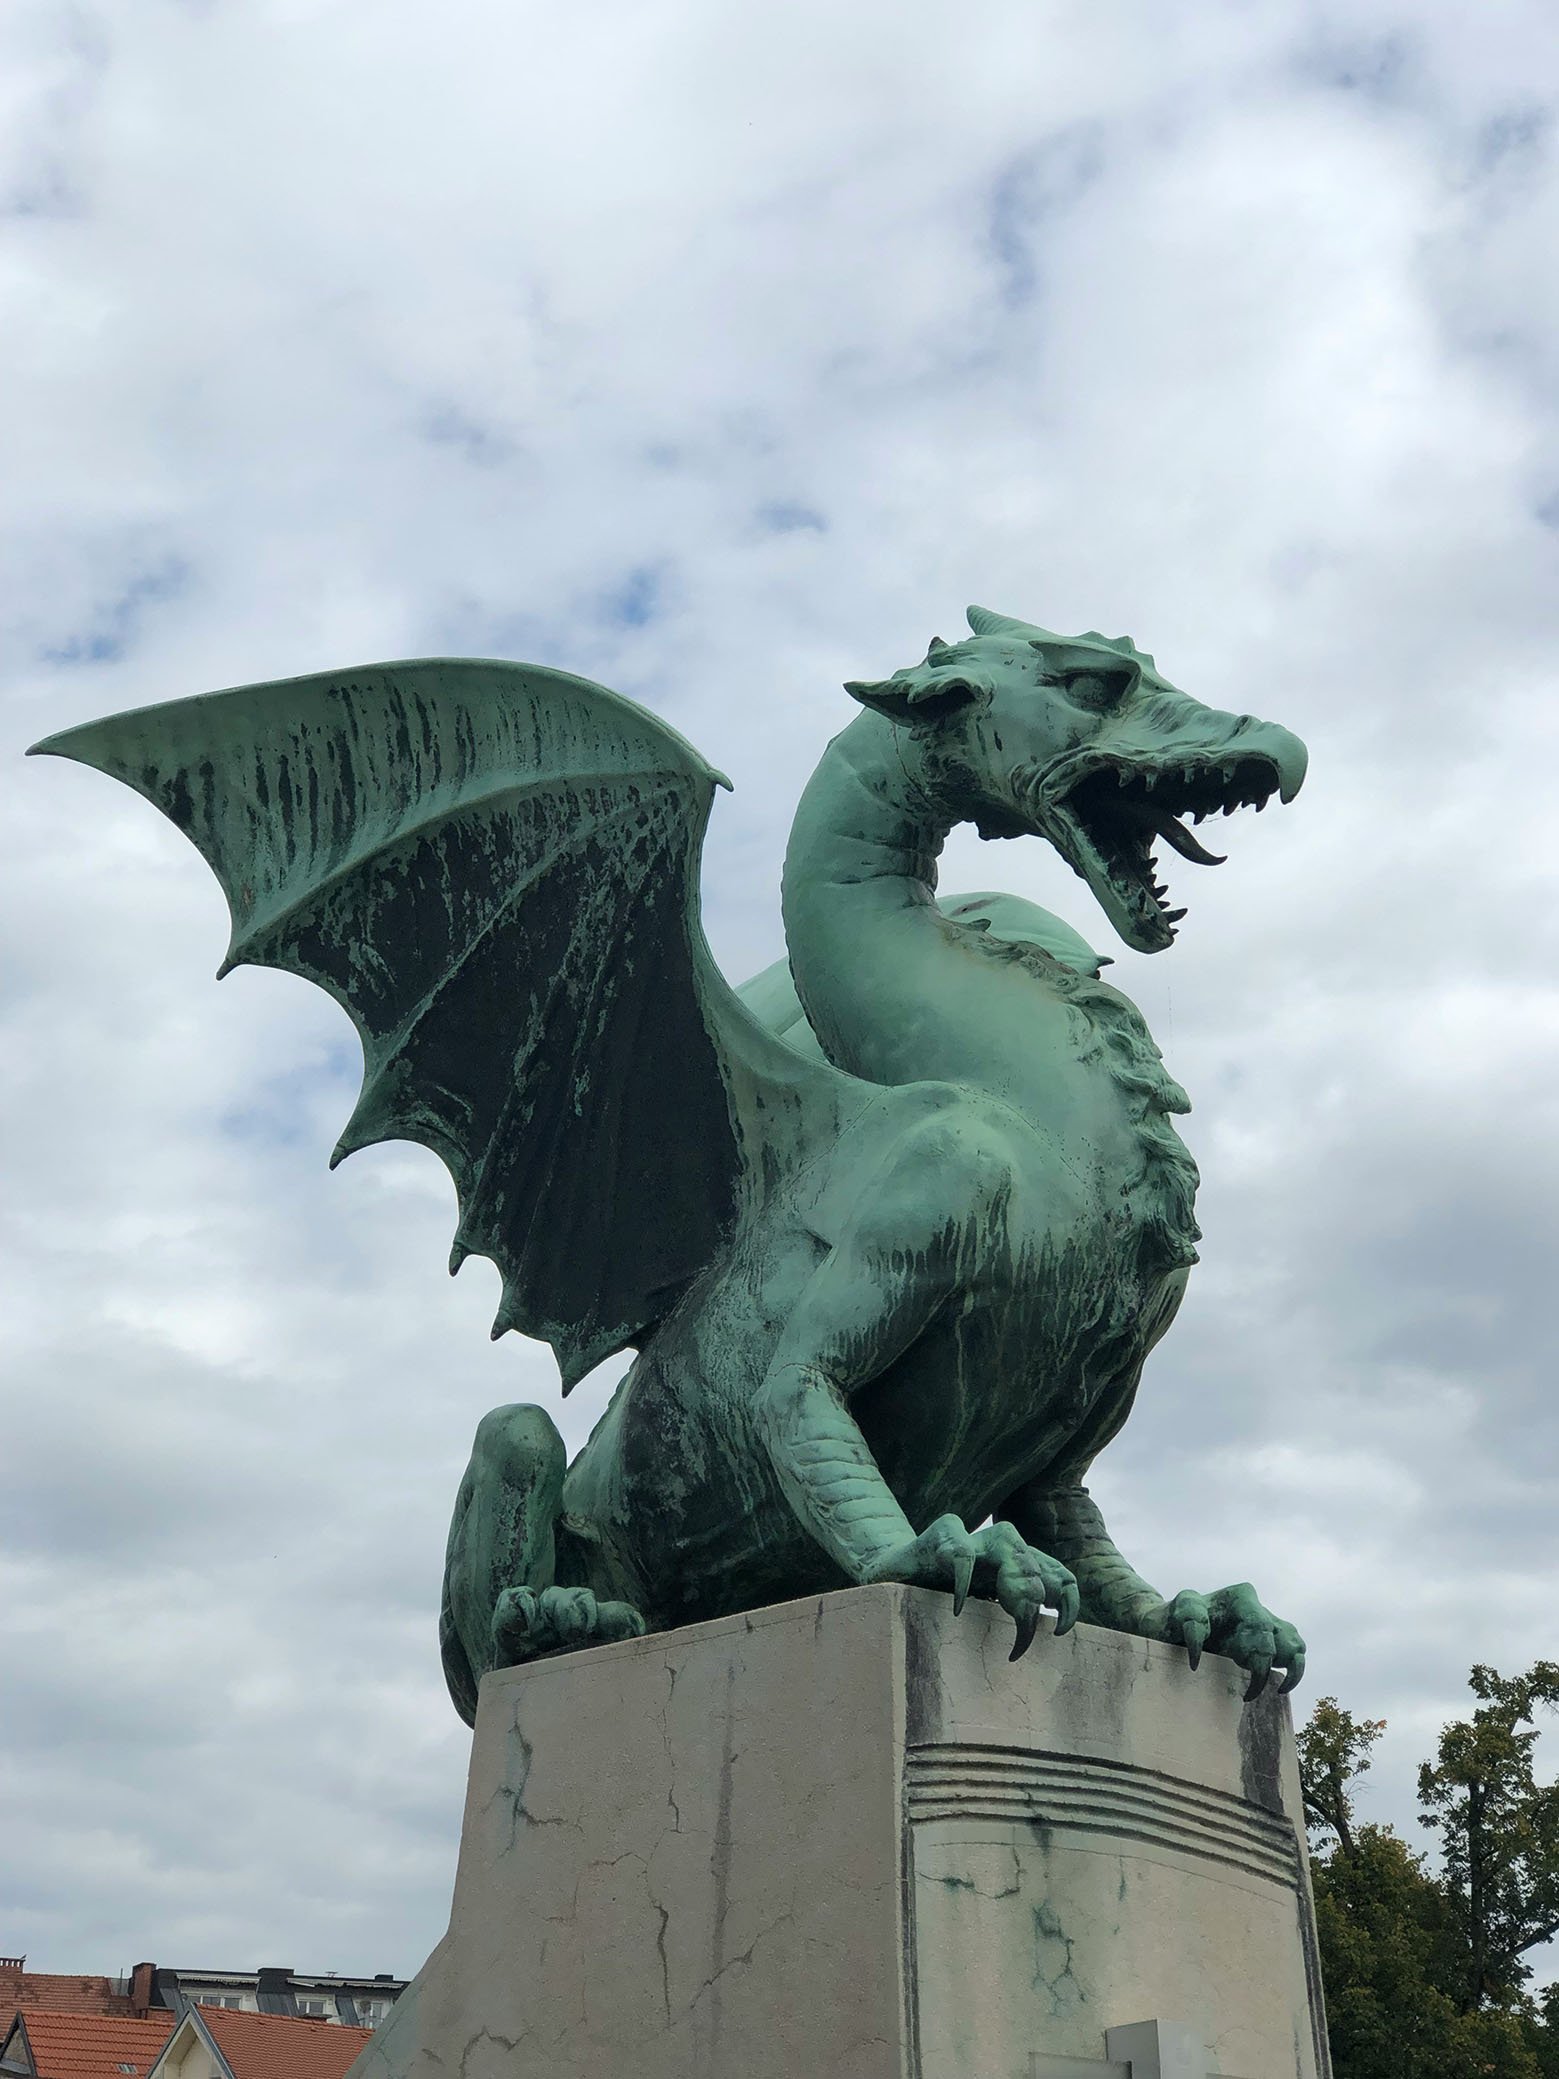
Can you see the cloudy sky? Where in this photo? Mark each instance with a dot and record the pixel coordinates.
(723, 353)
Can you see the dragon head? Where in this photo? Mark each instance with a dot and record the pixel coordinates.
(1078, 739)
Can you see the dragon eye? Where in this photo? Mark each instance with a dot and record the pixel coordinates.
(1096, 689)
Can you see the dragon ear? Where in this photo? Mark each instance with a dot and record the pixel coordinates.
(916, 699)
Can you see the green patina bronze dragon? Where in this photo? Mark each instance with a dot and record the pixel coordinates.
(892, 1230)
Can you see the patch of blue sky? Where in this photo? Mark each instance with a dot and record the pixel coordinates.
(48, 191)
(1029, 191)
(1378, 68)
(280, 1113)
(1512, 140)
(635, 600)
(343, 1062)
(447, 426)
(790, 516)
(466, 627)
(113, 627)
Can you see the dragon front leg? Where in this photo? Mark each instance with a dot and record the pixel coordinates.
(1230, 1621)
(502, 1603)
(828, 1475)
(881, 1286)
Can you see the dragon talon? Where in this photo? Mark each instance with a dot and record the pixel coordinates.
(1028, 1625)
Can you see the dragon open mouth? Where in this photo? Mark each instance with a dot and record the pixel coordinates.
(1107, 822)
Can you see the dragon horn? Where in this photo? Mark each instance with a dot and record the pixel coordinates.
(986, 622)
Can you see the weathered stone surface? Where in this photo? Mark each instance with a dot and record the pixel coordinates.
(847, 1839)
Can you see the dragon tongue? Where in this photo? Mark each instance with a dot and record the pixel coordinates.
(1186, 845)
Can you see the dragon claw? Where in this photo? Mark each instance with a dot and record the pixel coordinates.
(1028, 1625)
(1235, 1623)
(529, 1625)
(994, 1561)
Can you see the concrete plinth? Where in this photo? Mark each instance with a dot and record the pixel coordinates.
(846, 1839)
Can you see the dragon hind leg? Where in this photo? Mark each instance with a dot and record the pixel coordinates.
(501, 1604)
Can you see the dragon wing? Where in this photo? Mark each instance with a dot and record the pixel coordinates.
(493, 868)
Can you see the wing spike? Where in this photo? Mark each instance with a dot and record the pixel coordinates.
(508, 1315)
(360, 1131)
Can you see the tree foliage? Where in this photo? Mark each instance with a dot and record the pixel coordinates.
(1334, 1750)
(1499, 1831)
(1426, 1969)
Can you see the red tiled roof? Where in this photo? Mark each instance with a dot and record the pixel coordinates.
(277, 2046)
(93, 2046)
(61, 1994)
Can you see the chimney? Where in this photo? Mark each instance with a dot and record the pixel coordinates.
(143, 1981)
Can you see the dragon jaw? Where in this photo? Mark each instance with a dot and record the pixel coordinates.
(1105, 811)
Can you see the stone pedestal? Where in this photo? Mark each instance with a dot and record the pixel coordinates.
(847, 1839)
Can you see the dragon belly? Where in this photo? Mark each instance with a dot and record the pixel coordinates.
(1018, 1391)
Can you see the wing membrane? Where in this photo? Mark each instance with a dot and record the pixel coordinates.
(493, 869)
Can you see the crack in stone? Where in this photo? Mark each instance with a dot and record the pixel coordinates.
(660, 1945)
(511, 1792)
(486, 2035)
(1062, 1988)
(665, 1734)
(712, 1983)
(978, 1890)
(720, 1854)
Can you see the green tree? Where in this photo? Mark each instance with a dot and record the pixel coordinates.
(1394, 1939)
(1334, 1751)
(1499, 1833)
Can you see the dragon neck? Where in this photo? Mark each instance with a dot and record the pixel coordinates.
(884, 979)
(897, 993)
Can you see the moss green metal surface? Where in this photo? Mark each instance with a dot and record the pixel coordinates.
(891, 1232)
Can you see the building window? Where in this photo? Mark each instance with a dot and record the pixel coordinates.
(315, 2008)
(218, 1999)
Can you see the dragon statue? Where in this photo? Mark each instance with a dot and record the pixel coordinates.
(892, 1230)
